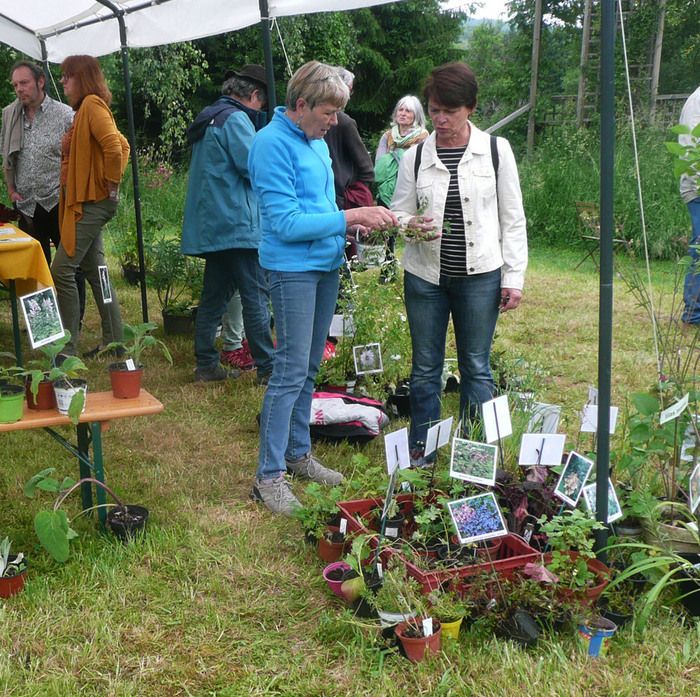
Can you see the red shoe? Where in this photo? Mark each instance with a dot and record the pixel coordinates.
(240, 358)
(328, 351)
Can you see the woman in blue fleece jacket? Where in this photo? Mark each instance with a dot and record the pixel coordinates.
(302, 245)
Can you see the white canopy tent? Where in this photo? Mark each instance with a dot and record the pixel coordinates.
(50, 30)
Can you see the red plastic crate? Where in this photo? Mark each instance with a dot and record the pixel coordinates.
(513, 553)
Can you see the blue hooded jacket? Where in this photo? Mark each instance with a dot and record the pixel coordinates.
(302, 228)
(221, 210)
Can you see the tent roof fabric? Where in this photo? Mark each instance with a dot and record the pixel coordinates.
(85, 26)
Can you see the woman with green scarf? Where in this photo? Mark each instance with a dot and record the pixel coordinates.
(407, 129)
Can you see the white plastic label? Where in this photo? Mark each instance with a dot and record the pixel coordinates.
(343, 525)
(392, 532)
(130, 364)
(380, 570)
(428, 626)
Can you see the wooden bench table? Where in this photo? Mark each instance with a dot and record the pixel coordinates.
(101, 407)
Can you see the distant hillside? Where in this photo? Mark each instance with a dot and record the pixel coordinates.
(471, 24)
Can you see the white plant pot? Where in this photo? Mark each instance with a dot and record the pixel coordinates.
(391, 619)
(64, 395)
(370, 255)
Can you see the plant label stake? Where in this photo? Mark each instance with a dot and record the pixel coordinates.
(541, 449)
(437, 437)
(427, 626)
(387, 502)
(130, 364)
(675, 410)
(343, 526)
(396, 450)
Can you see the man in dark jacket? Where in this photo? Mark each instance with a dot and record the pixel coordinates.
(222, 221)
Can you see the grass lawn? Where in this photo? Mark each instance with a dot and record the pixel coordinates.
(222, 598)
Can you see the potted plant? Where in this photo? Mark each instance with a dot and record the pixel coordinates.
(320, 510)
(53, 527)
(42, 372)
(172, 274)
(126, 376)
(398, 598)
(580, 576)
(11, 392)
(449, 609)
(69, 388)
(12, 570)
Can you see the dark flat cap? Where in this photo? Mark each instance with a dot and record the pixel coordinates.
(253, 72)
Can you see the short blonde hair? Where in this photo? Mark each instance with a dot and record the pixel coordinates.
(317, 83)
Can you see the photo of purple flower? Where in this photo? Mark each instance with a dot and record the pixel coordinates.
(41, 315)
(477, 518)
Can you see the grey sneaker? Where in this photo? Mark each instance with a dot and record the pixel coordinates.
(308, 467)
(276, 494)
(214, 373)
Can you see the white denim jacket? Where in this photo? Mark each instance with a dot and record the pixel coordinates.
(494, 225)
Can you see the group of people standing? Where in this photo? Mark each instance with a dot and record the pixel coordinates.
(62, 166)
(298, 197)
(269, 208)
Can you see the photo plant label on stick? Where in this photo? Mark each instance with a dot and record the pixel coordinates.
(105, 285)
(396, 450)
(438, 435)
(41, 315)
(690, 445)
(496, 419)
(573, 478)
(541, 449)
(614, 508)
(694, 488)
(473, 461)
(589, 419)
(342, 325)
(368, 359)
(675, 410)
(477, 518)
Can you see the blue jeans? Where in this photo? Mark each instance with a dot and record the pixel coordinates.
(224, 272)
(473, 303)
(691, 288)
(303, 304)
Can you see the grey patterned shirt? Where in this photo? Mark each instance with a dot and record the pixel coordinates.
(38, 165)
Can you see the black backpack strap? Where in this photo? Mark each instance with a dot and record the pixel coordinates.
(416, 164)
(494, 156)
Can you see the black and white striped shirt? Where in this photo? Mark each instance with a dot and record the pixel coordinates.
(453, 248)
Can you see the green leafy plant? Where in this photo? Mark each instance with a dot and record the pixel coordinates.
(571, 531)
(138, 338)
(173, 274)
(52, 526)
(446, 605)
(320, 506)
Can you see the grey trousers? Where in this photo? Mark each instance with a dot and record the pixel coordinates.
(89, 254)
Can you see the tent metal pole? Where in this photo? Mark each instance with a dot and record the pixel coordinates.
(267, 52)
(607, 163)
(119, 14)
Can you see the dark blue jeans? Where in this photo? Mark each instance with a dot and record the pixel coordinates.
(224, 272)
(303, 303)
(691, 289)
(473, 303)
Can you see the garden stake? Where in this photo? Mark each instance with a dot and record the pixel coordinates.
(498, 435)
(432, 469)
(387, 501)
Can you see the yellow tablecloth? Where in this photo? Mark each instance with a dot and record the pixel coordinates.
(22, 260)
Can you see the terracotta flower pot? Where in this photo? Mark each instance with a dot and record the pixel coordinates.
(45, 398)
(331, 549)
(11, 585)
(416, 648)
(126, 384)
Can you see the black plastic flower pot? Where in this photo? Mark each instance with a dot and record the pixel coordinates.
(126, 522)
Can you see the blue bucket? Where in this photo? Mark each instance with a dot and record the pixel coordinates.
(595, 634)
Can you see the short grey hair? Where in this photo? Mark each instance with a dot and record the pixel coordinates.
(242, 88)
(346, 76)
(317, 83)
(413, 103)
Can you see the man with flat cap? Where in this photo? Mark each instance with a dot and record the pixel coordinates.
(222, 221)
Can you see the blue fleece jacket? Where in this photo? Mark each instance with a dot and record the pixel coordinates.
(302, 228)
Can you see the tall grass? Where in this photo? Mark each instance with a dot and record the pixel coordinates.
(565, 168)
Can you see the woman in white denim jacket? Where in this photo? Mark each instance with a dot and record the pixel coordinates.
(466, 250)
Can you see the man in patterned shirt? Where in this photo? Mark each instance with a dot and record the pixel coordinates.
(32, 129)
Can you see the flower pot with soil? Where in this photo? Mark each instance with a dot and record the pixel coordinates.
(12, 570)
(71, 396)
(127, 521)
(594, 633)
(11, 392)
(331, 544)
(335, 574)
(45, 397)
(126, 375)
(415, 643)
